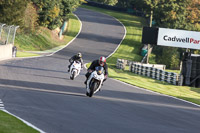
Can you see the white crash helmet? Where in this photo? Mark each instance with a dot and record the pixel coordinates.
(102, 61)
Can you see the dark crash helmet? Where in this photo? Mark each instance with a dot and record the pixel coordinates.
(79, 55)
(102, 61)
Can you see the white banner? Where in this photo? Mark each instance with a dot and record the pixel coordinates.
(178, 38)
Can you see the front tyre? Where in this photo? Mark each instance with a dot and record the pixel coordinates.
(93, 87)
(73, 75)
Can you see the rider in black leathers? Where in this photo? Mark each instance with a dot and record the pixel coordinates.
(77, 57)
(100, 62)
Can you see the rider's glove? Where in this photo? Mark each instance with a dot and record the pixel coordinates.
(105, 76)
(89, 70)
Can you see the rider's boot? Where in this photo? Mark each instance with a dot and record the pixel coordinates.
(68, 68)
(85, 82)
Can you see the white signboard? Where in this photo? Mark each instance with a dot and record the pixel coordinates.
(178, 38)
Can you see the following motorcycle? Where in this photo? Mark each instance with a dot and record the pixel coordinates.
(95, 81)
(75, 69)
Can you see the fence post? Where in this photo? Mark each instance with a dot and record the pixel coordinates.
(130, 66)
(1, 29)
(14, 34)
(9, 33)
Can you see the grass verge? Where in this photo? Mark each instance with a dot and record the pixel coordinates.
(130, 50)
(10, 124)
(46, 41)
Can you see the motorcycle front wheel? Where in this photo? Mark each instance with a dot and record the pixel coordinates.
(73, 75)
(93, 87)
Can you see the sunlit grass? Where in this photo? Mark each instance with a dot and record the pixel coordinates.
(25, 54)
(10, 124)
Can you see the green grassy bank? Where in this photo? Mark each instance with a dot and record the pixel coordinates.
(130, 50)
(44, 40)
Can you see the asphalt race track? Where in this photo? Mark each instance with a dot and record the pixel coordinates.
(39, 91)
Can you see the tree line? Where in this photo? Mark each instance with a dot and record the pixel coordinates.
(29, 14)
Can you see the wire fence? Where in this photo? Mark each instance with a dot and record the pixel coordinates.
(7, 34)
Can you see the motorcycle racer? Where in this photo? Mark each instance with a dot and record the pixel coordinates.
(100, 62)
(77, 57)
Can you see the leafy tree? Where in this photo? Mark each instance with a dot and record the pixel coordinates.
(48, 11)
(30, 18)
(170, 57)
(67, 7)
(171, 14)
(193, 16)
(107, 2)
(12, 12)
(124, 3)
(52, 13)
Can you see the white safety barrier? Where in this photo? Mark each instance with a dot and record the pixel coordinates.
(149, 70)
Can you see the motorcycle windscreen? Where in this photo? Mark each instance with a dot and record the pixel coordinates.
(99, 70)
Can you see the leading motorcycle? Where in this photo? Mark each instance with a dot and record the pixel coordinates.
(95, 81)
(75, 69)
